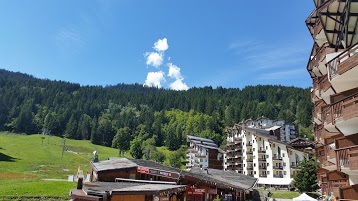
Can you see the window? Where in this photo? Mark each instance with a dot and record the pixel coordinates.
(284, 172)
(267, 156)
(254, 172)
(253, 149)
(244, 165)
(243, 143)
(260, 139)
(284, 164)
(283, 154)
(268, 172)
(268, 164)
(266, 148)
(254, 164)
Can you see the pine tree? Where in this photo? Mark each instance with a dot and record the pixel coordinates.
(305, 180)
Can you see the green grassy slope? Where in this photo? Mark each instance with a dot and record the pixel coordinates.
(26, 163)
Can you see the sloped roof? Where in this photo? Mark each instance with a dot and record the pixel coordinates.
(230, 178)
(99, 188)
(125, 163)
(191, 137)
(273, 128)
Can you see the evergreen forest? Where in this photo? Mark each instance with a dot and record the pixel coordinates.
(126, 114)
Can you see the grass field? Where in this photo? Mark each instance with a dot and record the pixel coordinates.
(283, 194)
(28, 167)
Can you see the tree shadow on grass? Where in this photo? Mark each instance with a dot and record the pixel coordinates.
(6, 158)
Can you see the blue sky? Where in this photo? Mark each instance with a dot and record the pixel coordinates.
(201, 43)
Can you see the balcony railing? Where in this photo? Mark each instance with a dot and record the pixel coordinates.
(262, 151)
(327, 115)
(250, 168)
(277, 158)
(249, 144)
(320, 56)
(261, 167)
(347, 158)
(294, 166)
(323, 84)
(278, 176)
(249, 160)
(262, 159)
(278, 167)
(343, 62)
(249, 152)
(345, 109)
(263, 175)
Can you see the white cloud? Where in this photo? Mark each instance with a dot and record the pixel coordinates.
(154, 79)
(70, 39)
(282, 75)
(174, 72)
(154, 59)
(178, 85)
(161, 45)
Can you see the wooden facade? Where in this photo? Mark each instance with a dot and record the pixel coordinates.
(333, 67)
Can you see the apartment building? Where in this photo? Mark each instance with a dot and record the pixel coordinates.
(203, 153)
(258, 153)
(283, 131)
(332, 66)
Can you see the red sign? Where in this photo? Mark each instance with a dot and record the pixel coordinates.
(141, 169)
(196, 191)
(162, 173)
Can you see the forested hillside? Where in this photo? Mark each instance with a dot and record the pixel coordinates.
(133, 112)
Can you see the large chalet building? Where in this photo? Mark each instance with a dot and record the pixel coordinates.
(257, 151)
(332, 66)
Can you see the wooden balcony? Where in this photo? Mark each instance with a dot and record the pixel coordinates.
(318, 33)
(325, 89)
(323, 159)
(321, 134)
(249, 152)
(347, 159)
(316, 112)
(249, 144)
(314, 98)
(327, 119)
(250, 168)
(343, 70)
(318, 62)
(250, 160)
(345, 116)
